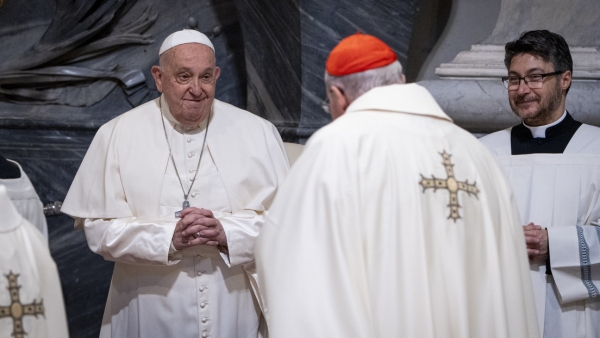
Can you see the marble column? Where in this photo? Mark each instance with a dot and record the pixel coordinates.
(470, 90)
(271, 32)
(287, 43)
(325, 23)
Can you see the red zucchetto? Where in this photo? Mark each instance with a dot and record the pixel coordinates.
(357, 53)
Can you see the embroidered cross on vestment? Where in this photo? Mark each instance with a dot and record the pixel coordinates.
(16, 310)
(451, 184)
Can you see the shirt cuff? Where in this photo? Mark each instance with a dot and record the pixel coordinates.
(174, 255)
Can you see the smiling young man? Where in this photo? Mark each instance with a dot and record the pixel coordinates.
(553, 165)
(174, 192)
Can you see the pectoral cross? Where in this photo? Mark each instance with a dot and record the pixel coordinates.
(451, 184)
(186, 204)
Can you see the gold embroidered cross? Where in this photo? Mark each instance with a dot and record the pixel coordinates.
(16, 310)
(450, 184)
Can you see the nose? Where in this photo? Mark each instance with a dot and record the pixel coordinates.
(195, 88)
(523, 87)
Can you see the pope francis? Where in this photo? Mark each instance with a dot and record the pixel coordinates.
(393, 222)
(174, 192)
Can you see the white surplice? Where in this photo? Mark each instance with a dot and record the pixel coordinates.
(26, 200)
(354, 246)
(128, 191)
(34, 296)
(561, 192)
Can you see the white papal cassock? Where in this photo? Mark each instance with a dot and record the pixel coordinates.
(561, 192)
(31, 302)
(128, 191)
(358, 243)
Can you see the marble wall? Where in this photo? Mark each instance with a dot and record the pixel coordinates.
(287, 44)
(273, 49)
(325, 23)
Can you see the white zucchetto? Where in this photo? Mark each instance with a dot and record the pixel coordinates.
(184, 36)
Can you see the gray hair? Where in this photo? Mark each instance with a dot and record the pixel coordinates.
(354, 85)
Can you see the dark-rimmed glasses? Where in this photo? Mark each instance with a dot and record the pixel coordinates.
(533, 81)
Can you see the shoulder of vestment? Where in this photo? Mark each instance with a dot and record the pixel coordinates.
(236, 116)
(585, 141)
(498, 141)
(137, 117)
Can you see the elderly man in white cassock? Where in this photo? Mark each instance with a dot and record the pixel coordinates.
(174, 192)
(552, 163)
(394, 222)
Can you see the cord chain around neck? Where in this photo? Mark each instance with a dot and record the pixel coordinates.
(185, 196)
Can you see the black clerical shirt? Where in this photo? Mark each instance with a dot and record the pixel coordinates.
(557, 138)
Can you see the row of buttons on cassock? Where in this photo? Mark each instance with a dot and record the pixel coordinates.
(203, 305)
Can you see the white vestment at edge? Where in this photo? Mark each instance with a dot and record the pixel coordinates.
(31, 301)
(354, 246)
(561, 192)
(26, 200)
(128, 192)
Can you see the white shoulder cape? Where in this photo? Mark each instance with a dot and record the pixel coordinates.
(121, 174)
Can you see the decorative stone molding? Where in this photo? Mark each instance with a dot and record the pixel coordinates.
(487, 62)
(469, 89)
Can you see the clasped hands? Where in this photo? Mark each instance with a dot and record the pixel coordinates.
(536, 239)
(198, 227)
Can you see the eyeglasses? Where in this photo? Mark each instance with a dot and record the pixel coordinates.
(533, 81)
(325, 105)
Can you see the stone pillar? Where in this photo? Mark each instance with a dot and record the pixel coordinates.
(470, 89)
(271, 32)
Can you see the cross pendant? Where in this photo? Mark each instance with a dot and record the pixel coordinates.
(186, 204)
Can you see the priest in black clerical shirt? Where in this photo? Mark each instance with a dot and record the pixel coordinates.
(552, 138)
(552, 163)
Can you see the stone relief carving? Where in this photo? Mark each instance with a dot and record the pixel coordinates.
(68, 65)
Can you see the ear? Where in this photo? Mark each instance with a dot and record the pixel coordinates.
(565, 79)
(339, 100)
(217, 73)
(157, 75)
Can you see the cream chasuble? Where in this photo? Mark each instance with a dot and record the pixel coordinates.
(26, 200)
(31, 301)
(561, 192)
(199, 291)
(394, 222)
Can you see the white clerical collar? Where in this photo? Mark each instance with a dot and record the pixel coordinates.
(402, 98)
(167, 114)
(540, 131)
